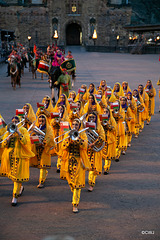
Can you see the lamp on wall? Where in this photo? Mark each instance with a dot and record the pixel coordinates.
(55, 37)
(94, 36)
(29, 39)
(117, 41)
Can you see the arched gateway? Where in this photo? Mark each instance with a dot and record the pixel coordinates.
(73, 34)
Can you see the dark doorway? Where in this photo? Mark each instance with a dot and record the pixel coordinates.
(73, 34)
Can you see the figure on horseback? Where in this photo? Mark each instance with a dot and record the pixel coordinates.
(55, 72)
(14, 72)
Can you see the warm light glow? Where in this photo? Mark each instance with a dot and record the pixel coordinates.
(55, 34)
(135, 37)
(150, 40)
(94, 34)
(117, 37)
(130, 38)
(74, 9)
(158, 37)
(29, 38)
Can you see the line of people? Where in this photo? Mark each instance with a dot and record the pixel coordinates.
(83, 130)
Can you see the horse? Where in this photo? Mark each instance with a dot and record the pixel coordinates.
(54, 74)
(15, 76)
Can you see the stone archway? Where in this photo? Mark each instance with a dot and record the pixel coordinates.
(73, 34)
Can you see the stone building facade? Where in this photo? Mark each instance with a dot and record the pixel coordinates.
(74, 21)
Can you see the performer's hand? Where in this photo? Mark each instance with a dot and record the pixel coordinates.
(108, 101)
(91, 145)
(18, 132)
(129, 119)
(40, 144)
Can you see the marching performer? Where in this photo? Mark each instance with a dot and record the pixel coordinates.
(58, 58)
(92, 105)
(2, 131)
(101, 101)
(69, 56)
(158, 83)
(62, 100)
(128, 118)
(48, 108)
(151, 93)
(80, 108)
(72, 96)
(119, 115)
(42, 159)
(29, 116)
(91, 89)
(145, 98)
(74, 112)
(140, 108)
(15, 157)
(133, 107)
(75, 162)
(117, 90)
(103, 86)
(65, 82)
(108, 96)
(57, 133)
(125, 88)
(94, 157)
(77, 113)
(109, 150)
(83, 97)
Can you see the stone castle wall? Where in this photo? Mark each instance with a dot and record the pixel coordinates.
(39, 22)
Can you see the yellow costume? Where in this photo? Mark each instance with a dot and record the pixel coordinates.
(125, 88)
(151, 106)
(15, 158)
(65, 103)
(92, 107)
(55, 125)
(2, 131)
(158, 83)
(83, 97)
(118, 93)
(93, 91)
(74, 164)
(42, 160)
(140, 105)
(72, 93)
(77, 114)
(47, 110)
(110, 99)
(120, 132)
(94, 157)
(31, 117)
(103, 86)
(128, 118)
(131, 124)
(145, 113)
(103, 102)
(109, 150)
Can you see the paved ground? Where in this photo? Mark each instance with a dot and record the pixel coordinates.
(124, 204)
